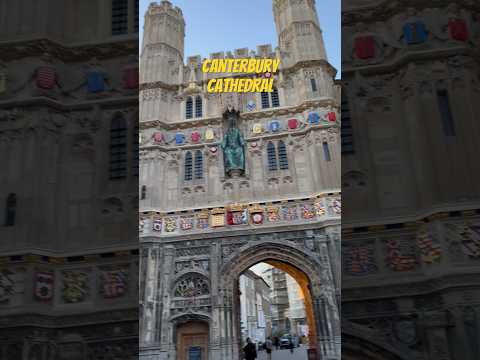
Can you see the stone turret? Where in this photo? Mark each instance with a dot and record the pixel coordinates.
(300, 40)
(298, 30)
(163, 43)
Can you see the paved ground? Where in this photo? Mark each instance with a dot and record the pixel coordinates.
(299, 353)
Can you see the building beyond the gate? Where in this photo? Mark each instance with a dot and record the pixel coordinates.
(202, 224)
(255, 300)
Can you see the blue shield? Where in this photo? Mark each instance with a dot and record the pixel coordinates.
(313, 118)
(179, 138)
(415, 32)
(95, 82)
(274, 126)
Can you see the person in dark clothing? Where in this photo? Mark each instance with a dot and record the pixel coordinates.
(291, 346)
(276, 341)
(250, 350)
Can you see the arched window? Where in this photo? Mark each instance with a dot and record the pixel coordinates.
(143, 194)
(188, 166)
(282, 155)
(119, 17)
(346, 130)
(275, 98)
(189, 108)
(137, 9)
(10, 209)
(445, 113)
(135, 149)
(118, 148)
(272, 157)
(198, 165)
(265, 100)
(313, 83)
(198, 106)
(326, 152)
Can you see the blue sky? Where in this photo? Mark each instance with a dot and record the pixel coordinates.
(222, 25)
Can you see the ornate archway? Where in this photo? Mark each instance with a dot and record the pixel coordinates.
(305, 267)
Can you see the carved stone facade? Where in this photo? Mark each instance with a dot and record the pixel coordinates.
(201, 227)
(409, 174)
(69, 252)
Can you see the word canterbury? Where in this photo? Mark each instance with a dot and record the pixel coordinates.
(263, 68)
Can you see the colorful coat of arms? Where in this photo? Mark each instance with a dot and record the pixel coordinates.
(273, 214)
(308, 211)
(289, 213)
(430, 249)
(157, 224)
(319, 206)
(114, 283)
(170, 224)
(470, 238)
(202, 220)
(218, 217)
(335, 205)
(186, 223)
(7, 285)
(256, 214)
(400, 255)
(44, 285)
(75, 286)
(237, 217)
(359, 259)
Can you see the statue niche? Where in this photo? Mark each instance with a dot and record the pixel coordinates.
(233, 145)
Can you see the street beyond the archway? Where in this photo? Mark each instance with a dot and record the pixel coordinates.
(299, 353)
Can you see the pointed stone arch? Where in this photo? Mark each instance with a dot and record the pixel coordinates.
(302, 265)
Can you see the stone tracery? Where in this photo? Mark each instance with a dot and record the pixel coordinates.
(191, 285)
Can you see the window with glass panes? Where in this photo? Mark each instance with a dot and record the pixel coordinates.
(119, 17)
(188, 166)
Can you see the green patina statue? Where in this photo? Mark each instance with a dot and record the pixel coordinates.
(233, 145)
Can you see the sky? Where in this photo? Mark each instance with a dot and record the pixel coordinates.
(226, 25)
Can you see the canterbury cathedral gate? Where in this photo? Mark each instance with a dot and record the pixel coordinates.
(231, 180)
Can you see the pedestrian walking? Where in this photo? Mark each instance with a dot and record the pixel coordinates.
(268, 348)
(250, 350)
(276, 341)
(291, 346)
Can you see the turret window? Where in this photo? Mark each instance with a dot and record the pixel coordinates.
(189, 108)
(10, 210)
(271, 157)
(326, 151)
(346, 130)
(198, 165)
(445, 113)
(270, 99)
(265, 100)
(198, 107)
(313, 83)
(143, 193)
(135, 150)
(137, 9)
(188, 166)
(275, 98)
(119, 17)
(277, 157)
(118, 148)
(282, 155)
